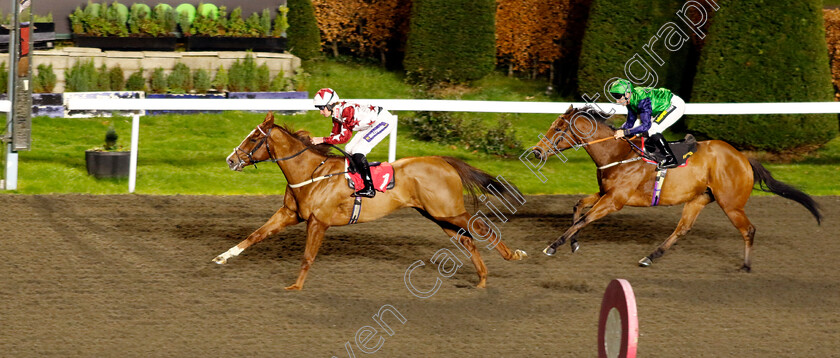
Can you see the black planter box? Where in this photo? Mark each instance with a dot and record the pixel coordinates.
(127, 43)
(259, 44)
(107, 164)
(43, 37)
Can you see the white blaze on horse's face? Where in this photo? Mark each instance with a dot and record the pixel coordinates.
(235, 162)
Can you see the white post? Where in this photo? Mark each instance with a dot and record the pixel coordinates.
(132, 168)
(11, 168)
(392, 143)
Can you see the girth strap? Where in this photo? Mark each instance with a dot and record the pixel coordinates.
(357, 210)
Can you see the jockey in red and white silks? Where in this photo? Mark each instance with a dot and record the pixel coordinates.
(372, 123)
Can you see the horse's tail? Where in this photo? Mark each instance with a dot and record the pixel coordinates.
(767, 183)
(477, 181)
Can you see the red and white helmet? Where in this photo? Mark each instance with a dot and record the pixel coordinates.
(324, 97)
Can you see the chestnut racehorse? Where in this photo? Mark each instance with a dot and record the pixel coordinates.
(432, 185)
(716, 172)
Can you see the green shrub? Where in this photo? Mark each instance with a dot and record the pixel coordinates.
(456, 128)
(81, 77)
(185, 23)
(180, 79)
(45, 80)
(616, 31)
(253, 27)
(136, 81)
(304, 38)
(4, 78)
(236, 25)
(300, 79)
(438, 127)
(77, 25)
(116, 78)
(157, 84)
(783, 59)
(281, 22)
(265, 23)
(201, 80)
(221, 80)
(468, 50)
(103, 80)
(263, 78)
(280, 83)
(243, 75)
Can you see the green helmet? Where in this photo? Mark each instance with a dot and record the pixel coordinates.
(621, 86)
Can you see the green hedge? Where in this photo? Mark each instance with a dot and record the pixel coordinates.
(769, 51)
(450, 41)
(303, 34)
(617, 30)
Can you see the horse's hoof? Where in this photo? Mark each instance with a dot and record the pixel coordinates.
(645, 262)
(746, 269)
(575, 246)
(549, 251)
(519, 254)
(294, 287)
(220, 260)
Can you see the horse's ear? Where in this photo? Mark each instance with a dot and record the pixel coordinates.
(269, 118)
(571, 108)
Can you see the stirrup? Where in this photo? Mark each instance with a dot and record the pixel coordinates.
(366, 192)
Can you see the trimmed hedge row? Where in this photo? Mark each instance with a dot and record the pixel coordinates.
(617, 30)
(303, 35)
(770, 51)
(450, 41)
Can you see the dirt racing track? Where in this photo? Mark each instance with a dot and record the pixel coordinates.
(131, 276)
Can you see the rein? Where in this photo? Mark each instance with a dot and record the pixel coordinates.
(641, 153)
(271, 158)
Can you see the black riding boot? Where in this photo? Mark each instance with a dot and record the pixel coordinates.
(670, 160)
(363, 168)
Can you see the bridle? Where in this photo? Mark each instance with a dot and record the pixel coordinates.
(640, 152)
(262, 141)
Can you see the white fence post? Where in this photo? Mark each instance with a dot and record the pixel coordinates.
(135, 139)
(392, 142)
(10, 182)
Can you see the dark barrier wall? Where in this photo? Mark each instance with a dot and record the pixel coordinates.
(62, 8)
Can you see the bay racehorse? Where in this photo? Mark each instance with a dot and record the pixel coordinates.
(716, 172)
(432, 185)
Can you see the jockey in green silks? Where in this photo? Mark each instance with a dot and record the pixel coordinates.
(649, 112)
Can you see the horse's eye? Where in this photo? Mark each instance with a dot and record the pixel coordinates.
(252, 140)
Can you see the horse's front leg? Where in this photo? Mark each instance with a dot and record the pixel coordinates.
(605, 205)
(583, 204)
(314, 237)
(282, 218)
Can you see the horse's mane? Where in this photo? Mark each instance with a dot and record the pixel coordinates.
(596, 114)
(303, 137)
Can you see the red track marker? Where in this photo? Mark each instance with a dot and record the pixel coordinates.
(618, 325)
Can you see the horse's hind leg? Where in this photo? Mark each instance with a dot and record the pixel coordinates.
(282, 218)
(482, 232)
(475, 256)
(742, 223)
(689, 216)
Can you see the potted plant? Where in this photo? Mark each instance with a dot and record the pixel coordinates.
(110, 161)
(213, 30)
(115, 27)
